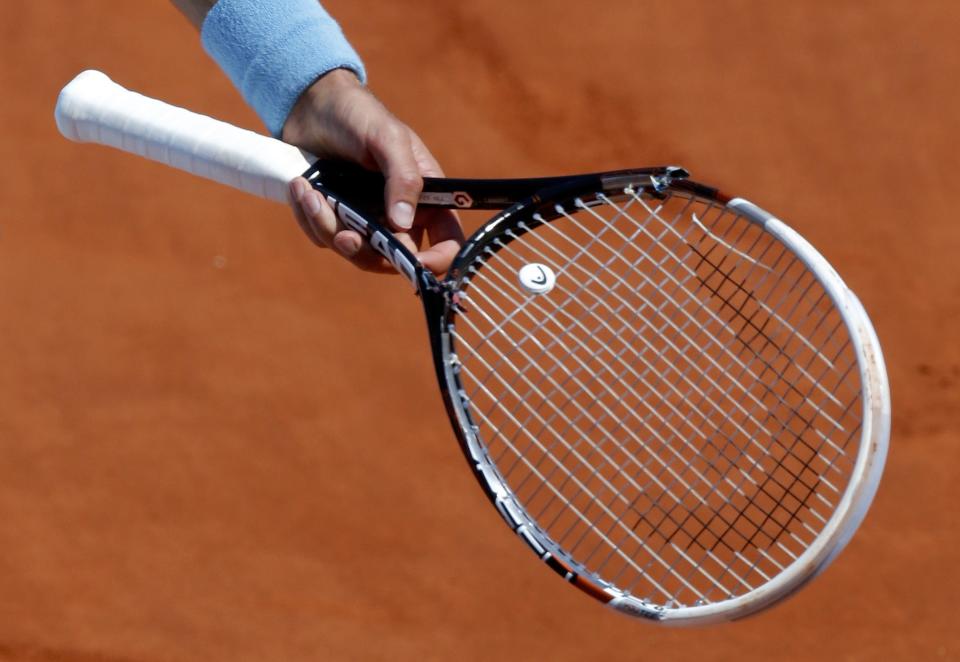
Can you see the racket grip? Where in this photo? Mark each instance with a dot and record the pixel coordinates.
(92, 108)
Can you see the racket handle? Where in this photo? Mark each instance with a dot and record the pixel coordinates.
(92, 108)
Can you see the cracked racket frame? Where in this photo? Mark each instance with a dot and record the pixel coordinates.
(666, 392)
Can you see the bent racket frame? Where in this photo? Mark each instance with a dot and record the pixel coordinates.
(712, 506)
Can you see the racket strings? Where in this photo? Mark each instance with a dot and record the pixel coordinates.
(630, 409)
(548, 525)
(618, 357)
(523, 455)
(647, 385)
(737, 311)
(806, 371)
(817, 353)
(748, 320)
(534, 469)
(772, 311)
(806, 395)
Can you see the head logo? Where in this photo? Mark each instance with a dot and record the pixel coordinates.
(462, 199)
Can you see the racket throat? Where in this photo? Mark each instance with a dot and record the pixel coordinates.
(380, 240)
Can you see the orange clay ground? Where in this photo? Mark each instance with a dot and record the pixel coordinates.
(218, 442)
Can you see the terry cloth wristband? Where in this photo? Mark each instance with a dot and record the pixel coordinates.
(273, 50)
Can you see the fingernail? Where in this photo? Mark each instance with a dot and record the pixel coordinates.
(296, 189)
(403, 215)
(312, 203)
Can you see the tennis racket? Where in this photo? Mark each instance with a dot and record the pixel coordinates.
(667, 393)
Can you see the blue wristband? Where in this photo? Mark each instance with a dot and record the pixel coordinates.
(273, 50)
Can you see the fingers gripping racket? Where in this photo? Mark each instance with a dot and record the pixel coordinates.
(666, 392)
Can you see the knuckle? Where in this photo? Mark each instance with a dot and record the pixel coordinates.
(407, 180)
(390, 133)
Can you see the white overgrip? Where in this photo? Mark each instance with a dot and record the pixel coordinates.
(92, 108)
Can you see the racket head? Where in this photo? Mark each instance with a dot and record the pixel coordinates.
(690, 421)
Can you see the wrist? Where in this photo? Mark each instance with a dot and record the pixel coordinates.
(297, 127)
(273, 51)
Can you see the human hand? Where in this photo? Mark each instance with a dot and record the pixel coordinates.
(338, 117)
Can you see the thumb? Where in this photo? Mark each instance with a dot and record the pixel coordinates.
(393, 151)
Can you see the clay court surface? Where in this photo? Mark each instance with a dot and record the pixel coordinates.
(217, 442)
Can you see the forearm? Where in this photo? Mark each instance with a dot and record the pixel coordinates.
(194, 10)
